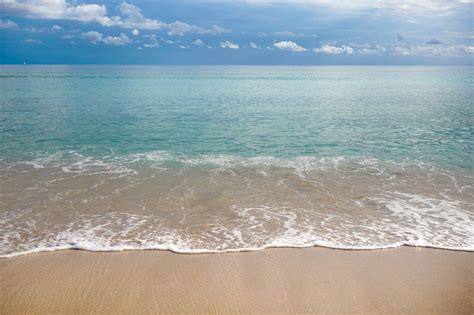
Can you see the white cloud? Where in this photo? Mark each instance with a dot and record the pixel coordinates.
(198, 42)
(292, 34)
(364, 49)
(153, 42)
(253, 45)
(469, 49)
(214, 30)
(56, 28)
(92, 36)
(151, 45)
(135, 32)
(178, 28)
(53, 9)
(5, 24)
(368, 51)
(120, 40)
(96, 37)
(285, 33)
(228, 44)
(130, 17)
(380, 48)
(334, 50)
(432, 50)
(290, 46)
(33, 41)
(169, 41)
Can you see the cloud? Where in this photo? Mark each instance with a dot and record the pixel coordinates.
(180, 28)
(399, 5)
(214, 30)
(434, 41)
(228, 44)
(33, 41)
(292, 34)
(53, 9)
(92, 36)
(400, 38)
(130, 17)
(290, 46)
(6, 24)
(253, 45)
(334, 50)
(285, 33)
(120, 40)
(135, 32)
(198, 42)
(431, 50)
(152, 41)
(469, 49)
(33, 29)
(96, 37)
(368, 51)
(151, 45)
(169, 41)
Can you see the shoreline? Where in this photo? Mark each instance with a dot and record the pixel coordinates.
(276, 280)
(216, 252)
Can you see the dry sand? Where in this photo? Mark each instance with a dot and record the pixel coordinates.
(408, 280)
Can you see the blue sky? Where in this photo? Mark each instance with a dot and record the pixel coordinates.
(237, 32)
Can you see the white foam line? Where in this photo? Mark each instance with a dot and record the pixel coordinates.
(236, 250)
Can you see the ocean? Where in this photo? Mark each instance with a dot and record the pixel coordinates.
(198, 159)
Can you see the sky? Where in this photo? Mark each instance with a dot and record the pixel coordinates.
(300, 32)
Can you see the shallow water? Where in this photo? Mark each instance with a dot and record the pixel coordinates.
(206, 159)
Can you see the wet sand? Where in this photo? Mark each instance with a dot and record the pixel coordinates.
(285, 280)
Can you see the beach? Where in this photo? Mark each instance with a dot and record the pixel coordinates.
(236, 157)
(236, 189)
(282, 280)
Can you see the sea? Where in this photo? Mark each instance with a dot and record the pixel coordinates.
(211, 159)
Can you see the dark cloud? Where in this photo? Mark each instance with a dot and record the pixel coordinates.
(434, 41)
(400, 38)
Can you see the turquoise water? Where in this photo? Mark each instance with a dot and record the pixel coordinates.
(389, 113)
(230, 158)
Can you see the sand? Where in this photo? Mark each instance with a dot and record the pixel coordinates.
(285, 280)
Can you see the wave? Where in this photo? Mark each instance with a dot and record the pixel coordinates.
(224, 203)
(80, 162)
(413, 221)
